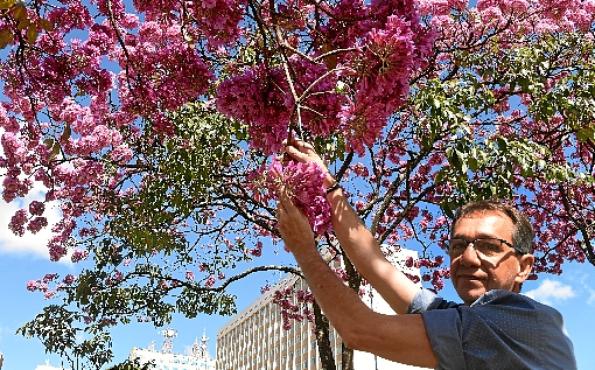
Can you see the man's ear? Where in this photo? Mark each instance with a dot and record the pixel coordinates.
(526, 265)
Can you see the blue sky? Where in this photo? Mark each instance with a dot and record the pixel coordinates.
(26, 258)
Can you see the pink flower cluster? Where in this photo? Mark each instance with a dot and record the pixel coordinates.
(293, 305)
(304, 183)
(43, 285)
(152, 80)
(354, 91)
(218, 20)
(389, 58)
(262, 98)
(256, 98)
(544, 16)
(435, 275)
(512, 18)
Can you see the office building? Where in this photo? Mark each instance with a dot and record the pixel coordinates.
(256, 340)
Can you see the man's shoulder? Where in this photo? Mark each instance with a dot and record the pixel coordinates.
(497, 301)
(505, 300)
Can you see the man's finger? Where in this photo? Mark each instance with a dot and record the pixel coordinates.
(303, 144)
(280, 213)
(295, 153)
(283, 197)
(286, 202)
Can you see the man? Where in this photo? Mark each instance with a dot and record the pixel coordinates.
(490, 252)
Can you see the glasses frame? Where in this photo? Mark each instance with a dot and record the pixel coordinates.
(469, 242)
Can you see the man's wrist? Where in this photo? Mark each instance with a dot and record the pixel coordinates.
(334, 187)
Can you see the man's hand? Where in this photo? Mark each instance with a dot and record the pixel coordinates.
(303, 152)
(293, 224)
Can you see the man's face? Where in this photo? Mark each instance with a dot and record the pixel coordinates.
(475, 273)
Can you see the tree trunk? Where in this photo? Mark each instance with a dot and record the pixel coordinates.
(346, 357)
(354, 280)
(327, 359)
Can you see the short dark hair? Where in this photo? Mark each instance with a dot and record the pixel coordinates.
(522, 236)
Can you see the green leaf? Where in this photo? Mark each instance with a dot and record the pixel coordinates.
(7, 4)
(46, 25)
(473, 163)
(6, 38)
(32, 34)
(586, 133)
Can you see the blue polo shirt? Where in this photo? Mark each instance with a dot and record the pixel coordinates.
(501, 330)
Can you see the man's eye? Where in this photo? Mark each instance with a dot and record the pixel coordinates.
(457, 246)
(488, 246)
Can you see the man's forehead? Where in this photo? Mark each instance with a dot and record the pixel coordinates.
(485, 220)
(483, 213)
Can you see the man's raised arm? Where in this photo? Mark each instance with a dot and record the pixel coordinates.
(358, 242)
(400, 338)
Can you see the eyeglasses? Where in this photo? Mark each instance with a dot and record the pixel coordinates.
(486, 247)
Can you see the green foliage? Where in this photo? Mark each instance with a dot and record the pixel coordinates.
(56, 326)
(556, 77)
(133, 365)
(192, 301)
(181, 175)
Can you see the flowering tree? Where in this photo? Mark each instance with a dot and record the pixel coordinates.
(152, 125)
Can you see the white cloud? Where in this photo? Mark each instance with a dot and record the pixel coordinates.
(584, 279)
(591, 299)
(550, 291)
(47, 366)
(32, 244)
(29, 244)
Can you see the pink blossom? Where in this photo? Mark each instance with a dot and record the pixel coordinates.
(49, 278)
(79, 255)
(13, 187)
(189, 275)
(69, 279)
(32, 285)
(17, 222)
(49, 294)
(36, 208)
(304, 182)
(36, 224)
(210, 282)
(257, 252)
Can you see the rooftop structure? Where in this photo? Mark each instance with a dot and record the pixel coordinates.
(198, 357)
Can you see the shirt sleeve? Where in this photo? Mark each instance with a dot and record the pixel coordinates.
(426, 300)
(445, 332)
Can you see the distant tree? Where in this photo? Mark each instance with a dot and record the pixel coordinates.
(152, 125)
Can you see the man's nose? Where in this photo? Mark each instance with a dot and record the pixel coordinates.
(469, 257)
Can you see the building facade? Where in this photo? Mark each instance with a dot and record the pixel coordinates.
(256, 340)
(166, 359)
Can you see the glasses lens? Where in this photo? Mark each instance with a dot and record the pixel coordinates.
(488, 246)
(457, 246)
